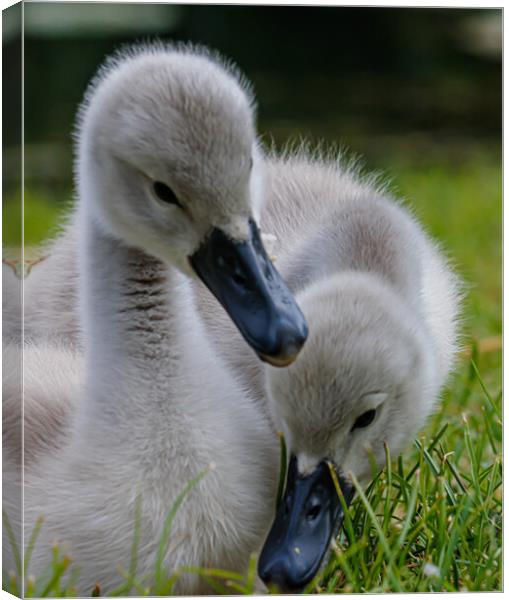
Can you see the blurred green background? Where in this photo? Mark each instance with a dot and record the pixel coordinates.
(416, 92)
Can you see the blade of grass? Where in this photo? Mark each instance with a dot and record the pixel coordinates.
(282, 468)
(158, 575)
(58, 571)
(12, 541)
(376, 524)
(31, 542)
(487, 395)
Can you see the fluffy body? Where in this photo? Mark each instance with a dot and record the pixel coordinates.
(152, 406)
(166, 415)
(382, 306)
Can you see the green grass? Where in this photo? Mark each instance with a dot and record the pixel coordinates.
(462, 208)
(42, 212)
(431, 520)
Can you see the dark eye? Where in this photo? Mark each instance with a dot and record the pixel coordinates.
(365, 419)
(251, 163)
(166, 194)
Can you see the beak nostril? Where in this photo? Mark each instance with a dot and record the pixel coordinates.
(313, 512)
(239, 279)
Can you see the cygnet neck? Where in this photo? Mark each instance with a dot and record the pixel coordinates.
(127, 314)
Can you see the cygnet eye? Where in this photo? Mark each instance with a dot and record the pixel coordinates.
(165, 193)
(365, 419)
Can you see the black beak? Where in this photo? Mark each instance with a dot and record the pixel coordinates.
(244, 280)
(309, 515)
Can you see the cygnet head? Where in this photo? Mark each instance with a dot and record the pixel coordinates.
(168, 163)
(365, 377)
